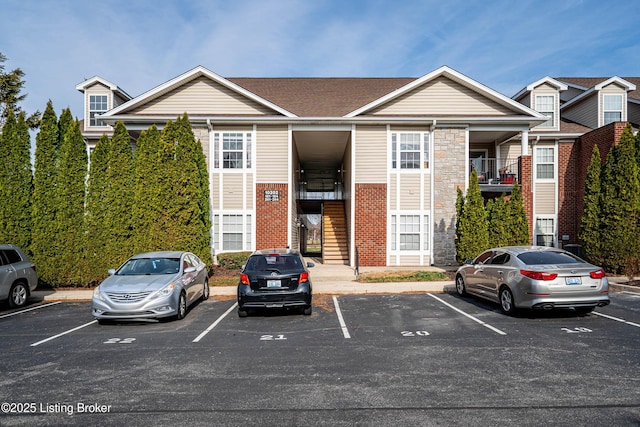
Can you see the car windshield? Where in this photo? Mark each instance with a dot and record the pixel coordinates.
(147, 266)
(274, 263)
(548, 257)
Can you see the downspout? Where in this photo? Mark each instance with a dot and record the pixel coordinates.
(432, 128)
(533, 191)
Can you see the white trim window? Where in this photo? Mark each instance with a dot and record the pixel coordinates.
(409, 232)
(232, 150)
(612, 108)
(545, 231)
(98, 104)
(545, 163)
(545, 104)
(233, 233)
(410, 150)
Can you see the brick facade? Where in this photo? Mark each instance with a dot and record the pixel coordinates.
(371, 224)
(272, 217)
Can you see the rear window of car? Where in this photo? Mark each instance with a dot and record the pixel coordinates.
(12, 256)
(275, 262)
(548, 257)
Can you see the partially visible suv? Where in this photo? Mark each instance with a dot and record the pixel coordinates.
(275, 278)
(17, 275)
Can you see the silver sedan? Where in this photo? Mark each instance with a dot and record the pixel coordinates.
(536, 277)
(151, 285)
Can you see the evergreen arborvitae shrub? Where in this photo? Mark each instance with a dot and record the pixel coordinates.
(590, 222)
(472, 235)
(69, 218)
(517, 224)
(43, 247)
(498, 222)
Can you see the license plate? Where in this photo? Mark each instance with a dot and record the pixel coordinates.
(573, 280)
(273, 283)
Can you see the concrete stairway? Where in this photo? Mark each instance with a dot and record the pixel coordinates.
(335, 246)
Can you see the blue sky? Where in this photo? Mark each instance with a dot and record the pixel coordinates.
(139, 44)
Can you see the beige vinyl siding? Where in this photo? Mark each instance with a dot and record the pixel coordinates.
(393, 192)
(584, 113)
(232, 191)
(526, 100)
(272, 152)
(442, 96)
(215, 192)
(371, 154)
(409, 191)
(633, 115)
(407, 260)
(249, 192)
(427, 190)
(202, 135)
(545, 198)
(201, 96)
(511, 150)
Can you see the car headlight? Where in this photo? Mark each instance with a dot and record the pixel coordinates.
(97, 294)
(166, 291)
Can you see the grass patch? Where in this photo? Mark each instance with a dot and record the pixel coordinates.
(403, 276)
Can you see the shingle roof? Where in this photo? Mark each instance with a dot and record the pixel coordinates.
(589, 82)
(321, 97)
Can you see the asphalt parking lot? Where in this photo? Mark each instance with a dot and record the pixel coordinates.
(411, 359)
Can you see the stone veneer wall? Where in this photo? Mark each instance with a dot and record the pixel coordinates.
(449, 169)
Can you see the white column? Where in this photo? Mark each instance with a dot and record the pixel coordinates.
(524, 144)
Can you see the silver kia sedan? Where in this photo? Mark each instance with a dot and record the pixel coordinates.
(537, 277)
(151, 285)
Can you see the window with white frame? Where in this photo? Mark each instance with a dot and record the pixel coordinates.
(410, 232)
(545, 163)
(410, 150)
(545, 104)
(612, 107)
(97, 106)
(545, 232)
(234, 233)
(232, 150)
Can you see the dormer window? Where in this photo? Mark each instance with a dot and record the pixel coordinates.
(97, 106)
(545, 104)
(612, 107)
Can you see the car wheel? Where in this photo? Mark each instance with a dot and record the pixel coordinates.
(506, 300)
(182, 307)
(242, 313)
(18, 295)
(584, 310)
(307, 311)
(460, 287)
(205, 291)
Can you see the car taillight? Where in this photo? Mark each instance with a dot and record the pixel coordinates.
(244, 279)
(598, 274)
(304, 277)
(538, 275)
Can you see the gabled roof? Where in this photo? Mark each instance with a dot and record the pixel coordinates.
(82, 87)
(192, 74)
(592, 84)
(548, 80)
(454, 75)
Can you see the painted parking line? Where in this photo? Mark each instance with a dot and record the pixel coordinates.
(214, 324)
(343, 325)
(63, 333)
(475, 319)
(617, 319)
(28, 309)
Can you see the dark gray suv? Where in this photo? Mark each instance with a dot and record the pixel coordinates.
(18, 276)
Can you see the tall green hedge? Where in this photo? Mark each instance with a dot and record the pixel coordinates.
(472, 235)
(590, 222)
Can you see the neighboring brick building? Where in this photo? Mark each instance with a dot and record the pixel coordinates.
(376, 161)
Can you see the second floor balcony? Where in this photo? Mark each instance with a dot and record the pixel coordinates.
(495, 172)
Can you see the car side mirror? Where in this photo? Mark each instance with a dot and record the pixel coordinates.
(310, 264)
(189, 270)
(468, 261)
(111, 271)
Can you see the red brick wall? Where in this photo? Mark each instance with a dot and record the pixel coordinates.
(604, 137)
(371, 224)
(271, 218)
(568, 175)
(525, 172)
